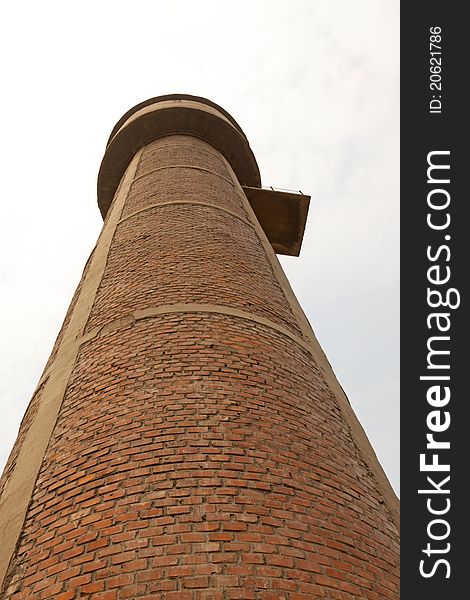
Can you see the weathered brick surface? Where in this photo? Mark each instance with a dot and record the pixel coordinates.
(219, 261)
(210, 181)
(187, 252)
(199, 455)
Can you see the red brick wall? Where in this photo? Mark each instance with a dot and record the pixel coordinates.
(199, 454)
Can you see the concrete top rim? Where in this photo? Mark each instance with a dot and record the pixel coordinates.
(166, 97)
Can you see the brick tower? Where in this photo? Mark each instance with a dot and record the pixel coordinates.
(188, 439)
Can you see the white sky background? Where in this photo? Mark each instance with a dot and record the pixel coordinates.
(315, 86)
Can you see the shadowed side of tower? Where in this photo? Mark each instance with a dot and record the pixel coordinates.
(188, 439)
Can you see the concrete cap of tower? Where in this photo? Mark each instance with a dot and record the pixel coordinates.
(172, 115)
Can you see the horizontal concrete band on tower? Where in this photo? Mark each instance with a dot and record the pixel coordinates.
(193, 442)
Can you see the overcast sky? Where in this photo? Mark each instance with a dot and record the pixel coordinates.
(315, 86)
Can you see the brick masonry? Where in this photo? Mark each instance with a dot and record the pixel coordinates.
(200, 452)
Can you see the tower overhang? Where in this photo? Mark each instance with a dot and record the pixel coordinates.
(282, 215)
